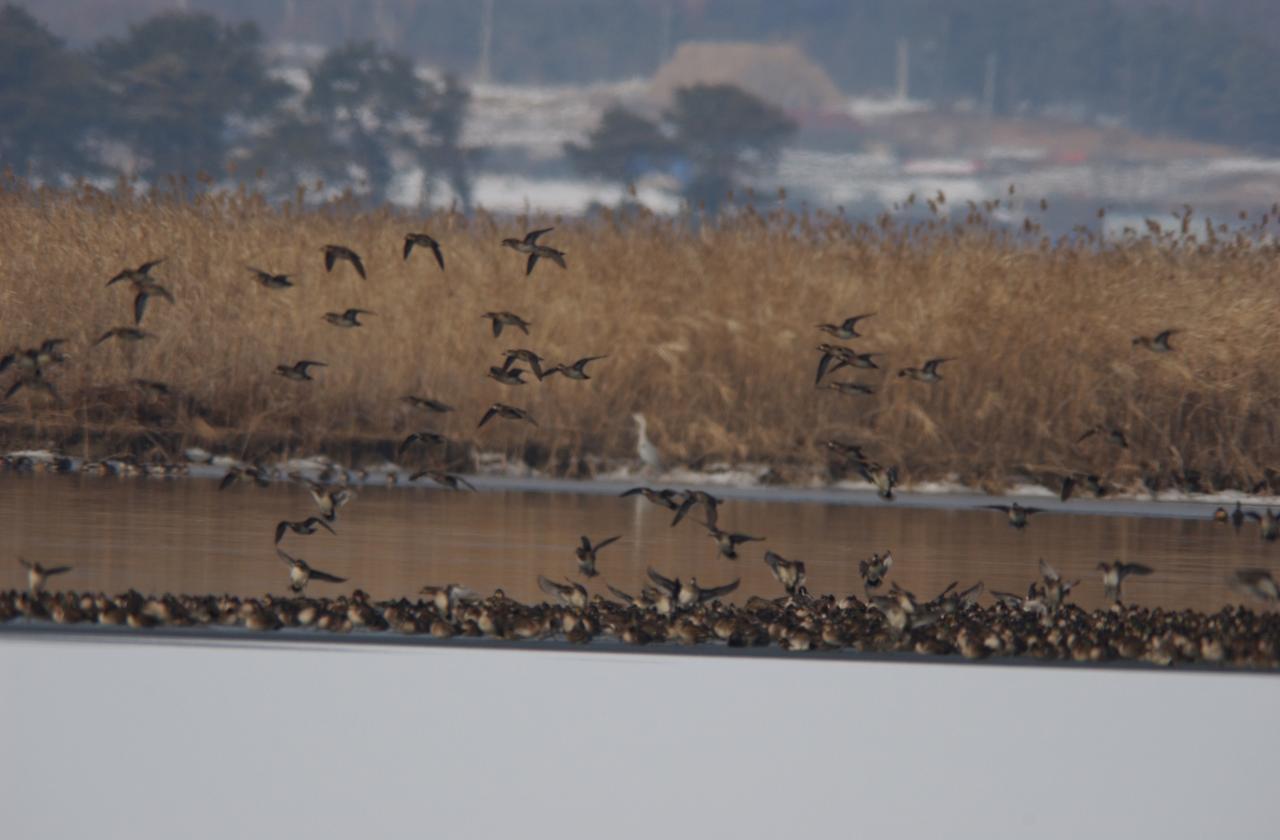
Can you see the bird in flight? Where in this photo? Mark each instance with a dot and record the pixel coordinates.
(305, 527)
(1113, 575)
(350, 318)
(928, 372)
(506, 412)
(1158, 344)
(576, 371)
(271, 281)
(586, 554)
(1016, 513)
(506, 319)
(422, 240)
(333, 253)
(37, 575)
(789, 573)
(298, 372)
(131, 334)
(529, 245)
(300, 573)
(846, 329)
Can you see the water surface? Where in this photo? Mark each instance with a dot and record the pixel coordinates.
(185, 536)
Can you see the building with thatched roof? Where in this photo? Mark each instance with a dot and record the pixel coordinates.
(778, 73)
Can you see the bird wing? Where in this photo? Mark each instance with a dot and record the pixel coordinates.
(435, 249)
(664, 583)
(288, 558)
(717, 591)
(405, 444)
(488, 415)
(146, 267)
(557, 257)
(586, 543)
(1004, 508)
(822, 367)
(355, 260)
(227, 480)
(408, 245)
(57, 570)
(497, 327)
(465, 483)
(140, 305)
(281, 527)
(315, 520)
(316, 574)
(624, 597)
(550, 586)
(533, 260)
(329, 258)
(532, 236)
(610, 540)
(1048, 572)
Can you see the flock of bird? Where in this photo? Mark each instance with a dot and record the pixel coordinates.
(666, 607)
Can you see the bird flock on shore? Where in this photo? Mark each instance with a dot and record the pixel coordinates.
(666, 608)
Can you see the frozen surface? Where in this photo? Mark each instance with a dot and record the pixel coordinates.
(150, 739)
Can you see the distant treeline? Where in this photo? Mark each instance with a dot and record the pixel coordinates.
(1151, 63)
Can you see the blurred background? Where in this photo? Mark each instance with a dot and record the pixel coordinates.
(569, 105)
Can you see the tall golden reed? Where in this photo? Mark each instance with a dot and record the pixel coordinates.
(709, 332)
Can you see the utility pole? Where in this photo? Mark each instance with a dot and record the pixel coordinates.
(486, 41)
(904, 69)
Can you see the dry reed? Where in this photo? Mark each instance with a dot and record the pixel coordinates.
(709, 332)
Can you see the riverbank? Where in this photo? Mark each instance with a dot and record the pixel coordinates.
(709, 332)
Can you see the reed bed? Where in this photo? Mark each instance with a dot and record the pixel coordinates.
(709, 331)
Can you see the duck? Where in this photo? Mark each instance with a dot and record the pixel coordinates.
(505, 374)
(846, 330)
(1114, 435)
(37, 575)
(529, 245)
(129, 334)
(300, 573)
(298, 371)
(1113, 575)
(1054, 589)
(884, 478)
(507, 319)
(727, 543)
(423, 240)
(532, 359)
(270, 280)
(1158, 344)
(141, 272)
(1016, 513)
(330, 499)
(444, 479)
(928, 372)
(851, 389)
(789, 573)
(1257, 582)
(690, 594)
(667, 498)
(333, 253)
(349, 318)
(709, 503)
(430, 438)
(506, 412)
(305, 527)
(576, 371)
(873, 570)
(427, 403)
(237, 473)
(570, 594)
(848, 451)
(586, 554)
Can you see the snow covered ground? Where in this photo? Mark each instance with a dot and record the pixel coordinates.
(149, 739)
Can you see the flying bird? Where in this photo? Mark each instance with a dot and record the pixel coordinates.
(333, 253)
(300, 573)
(349, 318)
(1016, 513)
(529, 245)
(305, 527)
(586, 554)
(1113, 575)
(506, 412)
(928, 372)
(506, 319)
(422, 240)
(298, 372)
(846, 329)
(130, 334)
(1158, 344)
(789, 573)
(271, 281)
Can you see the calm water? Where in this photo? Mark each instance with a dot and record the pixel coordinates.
(185, 536)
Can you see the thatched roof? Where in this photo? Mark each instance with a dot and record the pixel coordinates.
(778, 73)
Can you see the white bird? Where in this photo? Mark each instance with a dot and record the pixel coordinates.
(644, 447)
